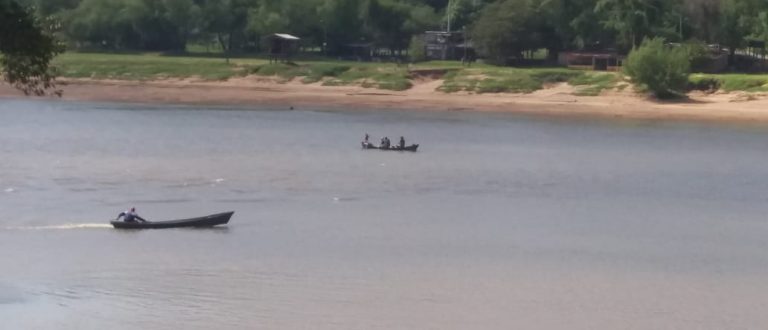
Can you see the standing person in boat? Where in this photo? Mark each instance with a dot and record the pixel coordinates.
(402, 142)
(366, 138)
(130, 216)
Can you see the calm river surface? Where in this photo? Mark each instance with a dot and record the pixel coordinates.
(498, 222)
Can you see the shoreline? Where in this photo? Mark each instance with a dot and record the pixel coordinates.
(556, 100)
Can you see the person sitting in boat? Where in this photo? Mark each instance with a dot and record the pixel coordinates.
(130, 216)
(402, 142)
(385, 143)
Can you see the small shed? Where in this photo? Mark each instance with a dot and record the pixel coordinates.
(282, 46)
(441, 45)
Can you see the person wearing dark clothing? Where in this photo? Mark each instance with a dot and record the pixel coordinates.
(130, 216)
(402, 142)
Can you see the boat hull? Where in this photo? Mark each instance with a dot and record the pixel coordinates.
(411, 148)
(201, 222)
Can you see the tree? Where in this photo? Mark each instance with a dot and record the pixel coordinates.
(227, 20)
(27, 48)
(341, 23)
(703, 17)
(104, 24)
(460, 13)
(634, 20)
(185, 15)
(664, 70)
(736, 23)
(506, 29)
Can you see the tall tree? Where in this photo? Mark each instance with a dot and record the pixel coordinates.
(633, 20)
(227, 19)
(504, 30)
(27, 48)
(341, 23)
(703, 17)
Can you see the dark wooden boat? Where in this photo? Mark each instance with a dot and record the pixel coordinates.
(201, 222)
(368, 145)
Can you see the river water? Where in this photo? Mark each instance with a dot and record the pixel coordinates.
(498, 222)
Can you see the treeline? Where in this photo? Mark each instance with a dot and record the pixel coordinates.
(499, 29)
(512, 27)
(239, 25)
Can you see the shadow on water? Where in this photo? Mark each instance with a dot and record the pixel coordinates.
(217, 230)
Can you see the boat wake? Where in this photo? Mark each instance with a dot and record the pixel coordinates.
(64, 227)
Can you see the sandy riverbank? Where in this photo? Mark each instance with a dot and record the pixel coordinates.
(555, 100)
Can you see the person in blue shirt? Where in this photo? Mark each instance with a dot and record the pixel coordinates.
(130, 216)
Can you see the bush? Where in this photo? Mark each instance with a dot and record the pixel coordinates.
(704, 83)
(417, 51)
(663, 70)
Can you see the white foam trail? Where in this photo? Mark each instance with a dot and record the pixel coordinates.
(10, 190)
(65, 227)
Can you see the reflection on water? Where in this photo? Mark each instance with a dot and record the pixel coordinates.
(499, 222)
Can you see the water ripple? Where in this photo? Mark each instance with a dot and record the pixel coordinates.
(64, 227)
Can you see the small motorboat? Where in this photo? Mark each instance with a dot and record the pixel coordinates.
(201, 222)
(413, 147)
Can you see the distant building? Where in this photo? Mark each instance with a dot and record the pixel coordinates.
(441, 45)
(282, 46)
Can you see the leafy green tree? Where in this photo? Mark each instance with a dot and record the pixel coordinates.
(736, 23)
(634, 20)
(50, 7)
(27, 48)
(185, 17)
(105, 24)
(578, 25)
(227, 20)
(384, 23)
(664, 70)
(702, 18)
(508, 28)
(341, 24)
(460, 13)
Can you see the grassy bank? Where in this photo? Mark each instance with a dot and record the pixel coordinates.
(512, 80)
(479, 78)
(382, 76)
(146, 66)
(731, 82)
